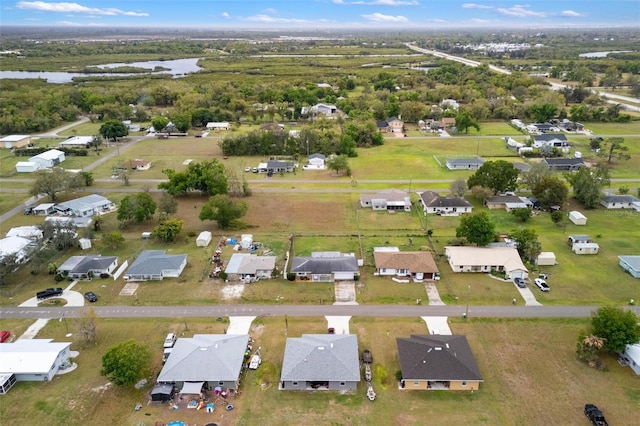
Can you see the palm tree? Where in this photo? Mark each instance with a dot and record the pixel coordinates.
(594, 341)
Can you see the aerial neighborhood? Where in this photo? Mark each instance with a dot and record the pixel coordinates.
(305, 229)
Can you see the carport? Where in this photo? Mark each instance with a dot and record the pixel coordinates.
(162, 392)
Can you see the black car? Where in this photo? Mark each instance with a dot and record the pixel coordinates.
(28, 211)
(594, 415)
(91, 296)
(50, 292)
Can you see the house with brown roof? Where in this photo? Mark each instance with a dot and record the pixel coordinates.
(450, 205)
(437, 362)
(390, 199)
(418, 265)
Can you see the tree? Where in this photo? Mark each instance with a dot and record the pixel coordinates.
(167, 231)
(113, 239)
(224, 210)
(542, 113)
(167, 204)
(618, 328)
(528, 245)
(85, 325)
(338, 163)
(126, 363)
(557, 217)
(550, 191)
(53, 181)
(588, 347)
(481, 193)
(477, 228)
(60, 235)
(522, 214)
(86, 178)
(113, 129)
(9, 264)
(208, 177)
(588, 184)
(464, 120)
(459, 187)
(535, 174)
(138, 207)
(614, 147)
(498, 175)
(159, 123)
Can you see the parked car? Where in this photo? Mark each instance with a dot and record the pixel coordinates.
(520, 282)
(4, 335)
(331, 330)
(255, 170)
(28, 211)
(169, 341)
(543, 276)
(165, 354)
(541, 284)
(594, 415)
(247, 169)
(50, 292)
(91, 296)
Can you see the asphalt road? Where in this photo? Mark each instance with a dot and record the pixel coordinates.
(305, 310)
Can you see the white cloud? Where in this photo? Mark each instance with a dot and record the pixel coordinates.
(65, 7)
(379, 2)
(476, 6)
(270, 11)
(571, 14)
(520, 11)
(273, 20)
(78, 24)
(379, 17)
(225, 15)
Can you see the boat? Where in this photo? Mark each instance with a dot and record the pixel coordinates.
(371, 393)
(367, 372)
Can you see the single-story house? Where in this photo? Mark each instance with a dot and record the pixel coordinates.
(325, 266)
(321, 362)
(577, 218)
(631, 264)
(204, 239)
(218, 125)
(416, 264)
(451, 205)
(32, 360)
(27, 167)
(85, 267)
(209, 360)
(446, 122)
(574, 239)
(15, 141)
(18, 246)
(585, 248)
(391, 125)
(437, 362)
(272, 127)
(44, 209)
(137, 164)
(389, 199)
(620, 202)
(546, 258)
(276, 166)
(77, 142)
(48, 159)
(87, 206)
(30, 232)
(66, 221)
(522, 167)
(631, 357)
(450, 103)
(250, 267)
(316, 162)
(543, 127)
(568, 164)
(508, 202)
(324, 109)
(156, 265)
(486, 259)
(464, 163)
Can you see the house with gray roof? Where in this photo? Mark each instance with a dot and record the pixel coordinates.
(321, 362)
(568, 164)
(451, 205)
(325, 267)
(437, 362)
(631, 264)
(156, 265)
(250, 267)
(389, 199)
(508, 202)
(611, 201)
(209, 360)
(464, 163)
(90, 205)
(85, 267)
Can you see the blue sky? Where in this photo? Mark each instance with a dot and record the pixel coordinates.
(321, 14)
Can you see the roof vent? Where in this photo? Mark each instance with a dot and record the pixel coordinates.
(321, 348)
(447, 345)
(203, 348)
(438, 348)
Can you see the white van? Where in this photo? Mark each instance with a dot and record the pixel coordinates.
(170, 340)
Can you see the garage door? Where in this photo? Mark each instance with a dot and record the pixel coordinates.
(341, 276)
(517, 274)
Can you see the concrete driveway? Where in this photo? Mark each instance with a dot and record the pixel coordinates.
(345, 293)
(437, 325)
(527, 295)
(339, 324)
(433, 294)
(239, 325)
(73, 298)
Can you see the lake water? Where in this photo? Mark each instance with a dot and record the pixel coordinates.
(177, 68)
(601, 54)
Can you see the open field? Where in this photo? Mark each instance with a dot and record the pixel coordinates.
(557, 382)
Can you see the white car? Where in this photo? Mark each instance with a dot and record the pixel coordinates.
(169, 341)
(541, 284)
(247, 169)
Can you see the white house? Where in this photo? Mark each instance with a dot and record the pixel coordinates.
(451, 205)
(315, 162)
(324, 109)
(48, 159)
(250, 267)
(464, 163)
(325, 266)
(15, 141)
(32, 360)
(156, 265)
(631, 357)
(620, 202)
(77, 142)
(85, 267)
(218, 125)
(30, 232)
(486, 259)
(390, 199)
(90, 205)
(17, 246)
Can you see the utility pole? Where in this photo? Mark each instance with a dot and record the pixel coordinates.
(466, 312)
(478, 149)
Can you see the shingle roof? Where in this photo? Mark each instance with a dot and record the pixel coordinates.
(414, 261)
(550, 137)
(83, 264)
(206, 357)
(564, 161)
(389, 195)
(87, 202)
(619, 199)
(437, 357)
(465, 161)
(432, 199)
(632, 261)
(321, 357)
(151, 262)
(324, 265)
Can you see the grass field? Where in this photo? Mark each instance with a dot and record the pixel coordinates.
(514, 373)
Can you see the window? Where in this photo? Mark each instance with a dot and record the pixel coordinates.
(464, 383)
(343, 383)
(416, 383)
(294, 383)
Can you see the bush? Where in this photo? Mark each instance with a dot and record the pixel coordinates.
(291, 276)
(58, 278)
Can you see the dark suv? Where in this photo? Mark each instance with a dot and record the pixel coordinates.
(520, 282)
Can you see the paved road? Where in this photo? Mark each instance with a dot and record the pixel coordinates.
(304, 310)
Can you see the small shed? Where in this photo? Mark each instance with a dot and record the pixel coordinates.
(246, 240)
(577, 218)
(203, 239)
(84, 243)
(546, 258)
(27, 167)
(585, 248)
(162, 392)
